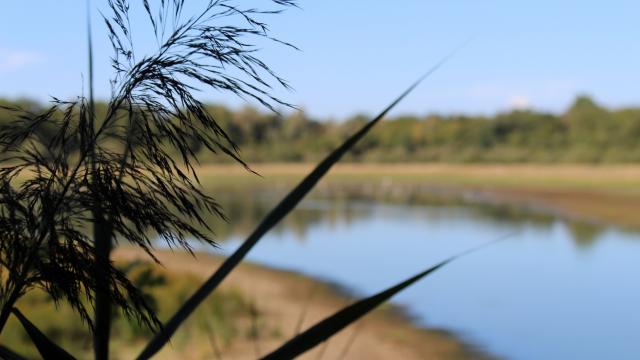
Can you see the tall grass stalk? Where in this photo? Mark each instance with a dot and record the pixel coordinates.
(102, 231)
(118, 165)
(141, 186)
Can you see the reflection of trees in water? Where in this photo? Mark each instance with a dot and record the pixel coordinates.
(334, 203)
(510, 214)
(584, 234)
(245, 209)
(481, 206)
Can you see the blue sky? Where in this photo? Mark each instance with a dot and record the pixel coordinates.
(357, 55)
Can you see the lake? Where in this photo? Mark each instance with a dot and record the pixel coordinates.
(553, 289)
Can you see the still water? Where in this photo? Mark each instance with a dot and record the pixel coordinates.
(552, 290)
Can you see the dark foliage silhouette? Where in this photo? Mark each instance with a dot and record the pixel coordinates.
(272, 218)
(70, 172)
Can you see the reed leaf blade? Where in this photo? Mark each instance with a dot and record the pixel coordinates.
(278, 213)
(47, 348)
(8, 354)
(333, 324)
(343, 318)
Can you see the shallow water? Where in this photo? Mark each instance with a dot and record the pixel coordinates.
(552, 290)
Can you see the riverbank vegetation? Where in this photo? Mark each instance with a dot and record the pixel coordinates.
(585, 133)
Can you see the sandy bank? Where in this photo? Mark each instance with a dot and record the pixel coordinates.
(281, 297)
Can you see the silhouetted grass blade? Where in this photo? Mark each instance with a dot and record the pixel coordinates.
(47, 348)
(8, 354)
(333, 324)
(330, 326)
(101, 233)
(278, 213)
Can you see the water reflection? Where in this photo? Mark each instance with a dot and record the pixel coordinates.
(246, 208)
(556, 290)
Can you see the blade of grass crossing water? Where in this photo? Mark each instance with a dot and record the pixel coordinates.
(47, 348)
(333, 324)
(273, 217)
(348, 315)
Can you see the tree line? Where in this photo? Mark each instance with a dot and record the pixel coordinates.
(586, 132)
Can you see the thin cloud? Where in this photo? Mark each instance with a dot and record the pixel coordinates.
(541, 94)
(520, 102)
(14, 60)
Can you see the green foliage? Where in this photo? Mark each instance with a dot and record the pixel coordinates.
(47, 348)
(586, 132)
(225, 311)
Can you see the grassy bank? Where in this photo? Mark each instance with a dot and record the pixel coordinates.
(255, 311)
(227, 311)
(607, 194)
